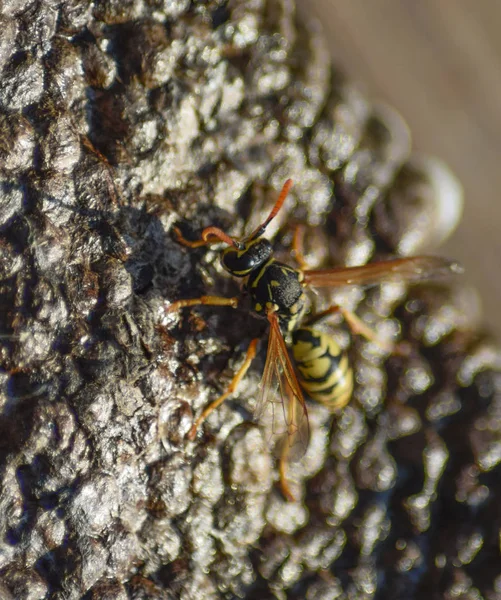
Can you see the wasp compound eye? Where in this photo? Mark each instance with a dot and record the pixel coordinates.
(241, 262)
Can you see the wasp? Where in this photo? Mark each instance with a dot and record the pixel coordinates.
(318, 367)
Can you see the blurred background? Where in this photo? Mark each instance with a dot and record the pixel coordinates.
(438, 62)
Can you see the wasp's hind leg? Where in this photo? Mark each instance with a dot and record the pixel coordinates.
(291, 437)
(358, 327)
(284, 484)
(282, 473)
(239, 375)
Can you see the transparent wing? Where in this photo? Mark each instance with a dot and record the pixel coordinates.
(412, 270)
(281, 394)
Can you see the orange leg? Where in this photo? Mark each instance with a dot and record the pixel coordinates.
(332, 310)
(282, 472)
(189, 244)
(287, 443)
(358, 327)
(204, 301)
(210, 235)
(249, 357)
(298, 247)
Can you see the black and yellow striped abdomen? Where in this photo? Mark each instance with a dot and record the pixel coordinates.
(323, 368)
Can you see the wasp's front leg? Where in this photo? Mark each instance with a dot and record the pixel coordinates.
(202, 301)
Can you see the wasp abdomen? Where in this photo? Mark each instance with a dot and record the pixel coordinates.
(323, 368)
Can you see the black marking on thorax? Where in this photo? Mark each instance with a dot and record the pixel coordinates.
(277, 285)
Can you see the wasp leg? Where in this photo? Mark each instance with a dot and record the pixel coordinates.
(189, 244)
(204, 301)
(210, 235)
(287, 444)
(298, 247)
(249, 357)
(332, 310)
(358, 327)
(282, 472)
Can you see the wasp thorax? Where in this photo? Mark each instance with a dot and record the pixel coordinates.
(240, 262)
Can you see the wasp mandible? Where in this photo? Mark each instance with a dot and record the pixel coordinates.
(277, 291)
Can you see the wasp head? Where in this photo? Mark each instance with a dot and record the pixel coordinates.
(245, 256)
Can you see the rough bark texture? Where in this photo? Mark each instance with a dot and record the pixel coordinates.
(118, 119)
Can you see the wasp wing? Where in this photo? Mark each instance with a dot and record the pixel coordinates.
(411, 270)
(281, 393)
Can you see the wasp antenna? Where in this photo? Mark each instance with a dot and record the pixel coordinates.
(274, 211)
(278, 204)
